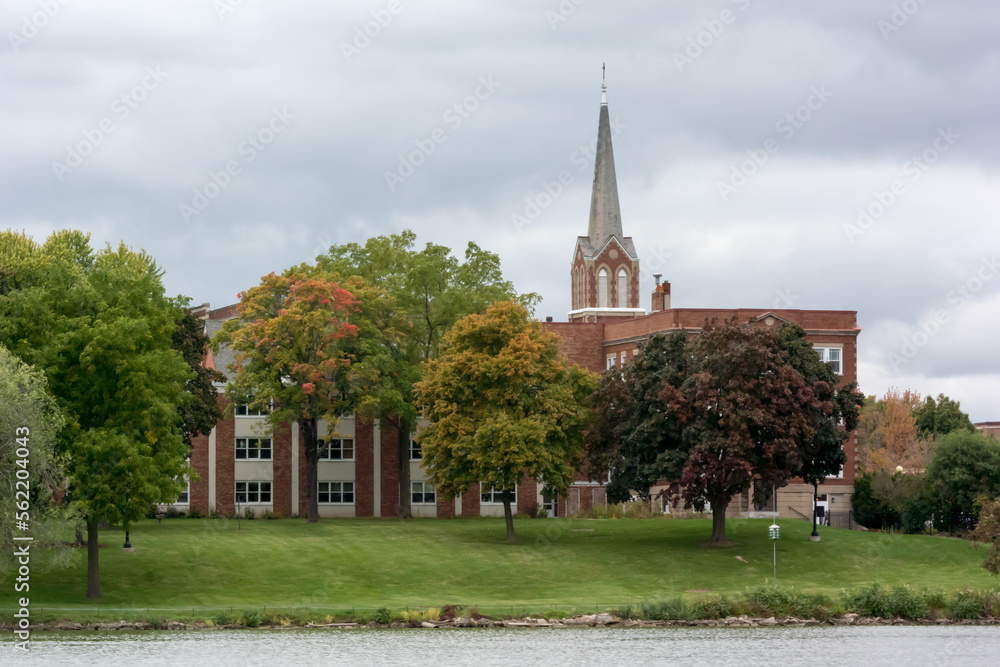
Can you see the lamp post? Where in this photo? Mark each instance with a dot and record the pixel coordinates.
(773, 533)
(814, 537)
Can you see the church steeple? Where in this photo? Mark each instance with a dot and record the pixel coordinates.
(605, 272)
(605, 214)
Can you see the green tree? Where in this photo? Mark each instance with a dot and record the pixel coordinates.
(432, 290)
(502, 404)
(632, 435)
(200, 415)
(987, 532)
(965, 465)
(99, 326)
(300, 357)
(30, 469)
(941, 417)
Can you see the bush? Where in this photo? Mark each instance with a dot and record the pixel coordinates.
(249, 514)
(383, 616)
(714, 607)
(676, 609)
(269, 514)
(251, 618)
(533, 510)
(223, 619)
(876, 600)
(195, 514)
(625, 612)
(968, 604)
(172, 513)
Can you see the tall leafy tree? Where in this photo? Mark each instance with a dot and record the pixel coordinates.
(100, 327)
(305, 352)
(202, 412)
(30, 423)
(888, 436)
(965, 466)
(432, 289)
(502, 404)
(941, 417)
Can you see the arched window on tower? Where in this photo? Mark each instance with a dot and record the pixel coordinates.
(622, 289)
(602, 289)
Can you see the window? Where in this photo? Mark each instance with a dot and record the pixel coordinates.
(244, 410)
(182, 499)
(337, 449)
(602, 289)
(252, 493)
(611, 361)
(623, 360)
(253, 448)
(622, 289)
(416, 451)
(495, 496)
(336, 493)
(832, 355)
(422, 493)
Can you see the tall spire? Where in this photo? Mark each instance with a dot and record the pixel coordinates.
(605, 214)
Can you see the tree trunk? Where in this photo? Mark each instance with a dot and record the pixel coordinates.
(718, 524)
(93, 573)
(405, 510)
(307, 429)
(508, 516)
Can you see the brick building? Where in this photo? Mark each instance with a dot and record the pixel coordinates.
(360, 468)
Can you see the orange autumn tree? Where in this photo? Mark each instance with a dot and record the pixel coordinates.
(296, 355)
(888, 435)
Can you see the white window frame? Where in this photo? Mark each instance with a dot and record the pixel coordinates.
(423, 493)
(341, 489)
(184, 497)
(246, 411)
(496, 496)
(335, 449)
(248, 489)
(416, 451)
(248, 448)
(612, 361)
(824, 355)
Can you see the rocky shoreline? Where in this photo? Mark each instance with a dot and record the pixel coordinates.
(586, 621)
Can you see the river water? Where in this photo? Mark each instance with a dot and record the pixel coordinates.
(741, 647)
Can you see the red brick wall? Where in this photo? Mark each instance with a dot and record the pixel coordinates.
(303, 479)
(225, 465)
(389, 442)
(527, 495)
(364, 468)
(281, 484)
(471, 501)
(445, 508)
(582, 343)
(199, 461)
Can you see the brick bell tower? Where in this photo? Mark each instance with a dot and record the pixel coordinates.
(604, 273)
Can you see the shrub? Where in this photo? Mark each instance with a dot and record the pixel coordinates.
(249, 514)
(156, 623)
(195, 514)
(172, 513)
(907, 603)
(383, 616)
(676, 609)
(533, 510)
(968, 604)
(269, 514)
(251, 618)
(714, 607)
(223, 619)
(625, 611)
(871, 601)
(212, 514)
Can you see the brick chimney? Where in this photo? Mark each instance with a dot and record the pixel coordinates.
(661, 295)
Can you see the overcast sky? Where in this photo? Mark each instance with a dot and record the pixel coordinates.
(232, 138)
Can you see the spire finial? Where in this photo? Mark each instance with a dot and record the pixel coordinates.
(604, 85)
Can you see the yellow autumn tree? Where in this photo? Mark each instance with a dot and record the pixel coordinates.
(888, 436)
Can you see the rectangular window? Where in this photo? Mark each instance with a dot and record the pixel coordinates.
(244, 410)
(832, 355)
(611, 361)
(182, 499)
(337, 449)
(422, 493)
(336, 493)
(416, 451)
(257, 449)
(495, 496)
(253, 493)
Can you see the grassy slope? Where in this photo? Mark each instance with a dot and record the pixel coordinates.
(371, 563)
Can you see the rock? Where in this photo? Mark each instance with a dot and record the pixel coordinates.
(396, 625)
(606, 619)
(581, 620)
(850, 618)
(516, 624)
(427, 624)
(768, 621)
(463, 622)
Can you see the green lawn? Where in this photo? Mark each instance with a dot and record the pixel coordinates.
(556, 564)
